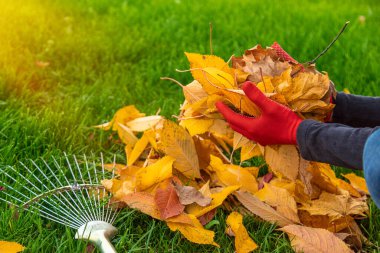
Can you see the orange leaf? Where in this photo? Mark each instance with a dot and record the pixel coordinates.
(243, 242)
(10, 247)
(144, 202)
(357, 182)
(168, 203)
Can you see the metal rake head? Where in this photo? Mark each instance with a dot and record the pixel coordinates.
(67, 191)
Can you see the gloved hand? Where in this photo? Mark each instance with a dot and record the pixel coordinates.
(277, 124)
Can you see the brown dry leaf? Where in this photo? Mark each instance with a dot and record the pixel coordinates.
(207, 217)
(188, 195)
(10, 247)
(357, 182)
(336, 206)
(177, 142)
(243, 243)
(139, 147)
(144, 123)
(194, 232)
(323, 221)
(155, 173)
(314, 240)
(281, 199)
(230, 174)
(168, 202)
(325, 178)
(283, 159)
(144, 202)
(261, 209)
(217, 200)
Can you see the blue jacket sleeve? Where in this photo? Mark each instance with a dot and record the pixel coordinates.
(356, 111)
(333, 143)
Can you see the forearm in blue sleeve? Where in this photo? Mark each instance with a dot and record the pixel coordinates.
(332, 143)
(356, 111)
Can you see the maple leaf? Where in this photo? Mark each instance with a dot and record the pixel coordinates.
(194, 232)
(188, 195)
(168, 202)
(243, 243)
(177, 142)
(10, 247)
(313, 240)
(336, 206)
(264, 211)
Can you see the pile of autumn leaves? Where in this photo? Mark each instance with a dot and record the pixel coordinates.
(181, 173)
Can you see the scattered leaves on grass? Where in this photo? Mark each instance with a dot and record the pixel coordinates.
(243, 243)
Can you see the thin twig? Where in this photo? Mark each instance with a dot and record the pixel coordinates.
(211, 51)
(331, 43)
(173, 80)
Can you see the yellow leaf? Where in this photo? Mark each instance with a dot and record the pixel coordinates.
(241, 102)
(137, 150)
(283, 159)
(325, 178)
(259, 208)
(197, 126)
(336, 206)
(119, 188)
(313, 240)
(194, 232)
(144, 123)
(122, 116)
(230, 174)
(126, 135)
(194, 92)
(217, 200)
(266, 85)
(249, 150)
(281, 199)
(243, 243)
(177, 142)
(155, 173)
(357, 182)
(212, 72)
(10, 247)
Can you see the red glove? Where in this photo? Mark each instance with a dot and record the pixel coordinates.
(277, 124)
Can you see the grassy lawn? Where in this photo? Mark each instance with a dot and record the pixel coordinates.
(104, 54)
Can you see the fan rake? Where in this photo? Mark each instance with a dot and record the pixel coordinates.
(68, 192)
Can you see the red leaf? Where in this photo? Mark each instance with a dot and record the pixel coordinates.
(266, 179)
(168, 203)
(207, 217)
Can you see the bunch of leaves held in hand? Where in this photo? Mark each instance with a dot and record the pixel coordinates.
(181, 173)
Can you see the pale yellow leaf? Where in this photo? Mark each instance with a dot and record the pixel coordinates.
(264, 211)
(314, 240)
(144, 123)
(283, 159)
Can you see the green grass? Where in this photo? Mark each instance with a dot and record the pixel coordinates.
(106, 54)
